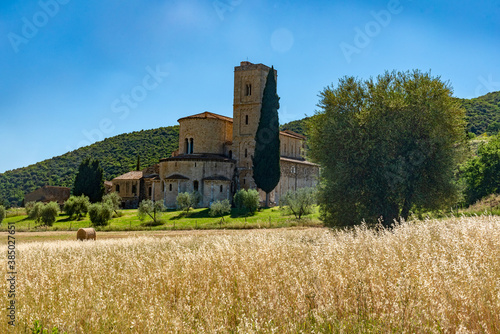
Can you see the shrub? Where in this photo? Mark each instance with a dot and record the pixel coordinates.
(151, 209)
(220, 208)
(114, 200)
(100, 214)
(247, 199)
(34, 210)
(186, 201)
(252, 200)
(49, 213)
(195, 199)
(77, 206)
(300, 202)
(239, 198)
(2, 213)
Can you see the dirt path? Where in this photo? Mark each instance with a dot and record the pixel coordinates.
(71, 235)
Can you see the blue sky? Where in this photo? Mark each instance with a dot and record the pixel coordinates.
(73, 72)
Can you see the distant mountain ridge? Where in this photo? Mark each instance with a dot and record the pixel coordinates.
(118, 154)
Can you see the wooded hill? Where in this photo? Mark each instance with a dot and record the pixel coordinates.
(483, 113)
(118, 154)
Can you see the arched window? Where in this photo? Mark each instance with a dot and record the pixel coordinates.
(191, 149)
(117, 188)
(246, 119)
(246, 153)
(170, 187)
(150, 191)
(186, 144)
(221, 188)
(249, 90)
(230, 154)
(195, 185)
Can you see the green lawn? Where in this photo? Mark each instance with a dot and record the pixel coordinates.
(172, 220)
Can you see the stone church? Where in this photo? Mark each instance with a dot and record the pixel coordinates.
(215, 153)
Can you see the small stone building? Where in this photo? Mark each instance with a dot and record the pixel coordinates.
(215, 153)
(136, 186)
(48, 194)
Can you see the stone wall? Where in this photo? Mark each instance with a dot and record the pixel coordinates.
(48, 194)
(209, 135)
(196, 172)
(291, 147)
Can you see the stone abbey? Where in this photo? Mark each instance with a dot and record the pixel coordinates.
(215, 153)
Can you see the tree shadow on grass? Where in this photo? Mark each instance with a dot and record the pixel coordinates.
(240, 213)
(191, 214)
(153, 223)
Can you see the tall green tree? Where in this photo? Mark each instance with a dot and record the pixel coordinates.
(90, 180)
(386, 147)
(266, 159)
(481, 174)
(3, 213)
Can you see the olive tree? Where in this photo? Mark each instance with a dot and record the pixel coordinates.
(49, 213)
(151, 209)
(386, 146)
(220, 208)
(300, 202)
(100, 214)
(247, 199)
(77, 206)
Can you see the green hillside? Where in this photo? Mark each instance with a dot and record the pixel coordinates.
(298, 126)
(483, 113)
(117, 155)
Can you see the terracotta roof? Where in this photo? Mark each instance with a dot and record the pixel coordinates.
(134, 175)
(297, 161)
(152, 176)
(216, 178)
(108, 183)
(176, 177)
(292, 134)
(205, 115)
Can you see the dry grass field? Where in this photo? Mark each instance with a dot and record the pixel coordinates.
(421, 277)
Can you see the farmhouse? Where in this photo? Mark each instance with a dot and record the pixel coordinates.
(47, 194)
(215, 153)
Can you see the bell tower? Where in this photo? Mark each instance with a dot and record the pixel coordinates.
(249, 83)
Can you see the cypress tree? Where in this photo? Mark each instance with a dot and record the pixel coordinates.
(266, 159)
(90, 180)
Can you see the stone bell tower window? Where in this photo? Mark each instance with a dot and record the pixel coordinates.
(246, 119)
(248, 90)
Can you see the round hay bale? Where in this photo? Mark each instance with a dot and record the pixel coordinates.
(85, 234)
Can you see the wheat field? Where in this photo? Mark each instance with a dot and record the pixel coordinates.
(420, 277)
